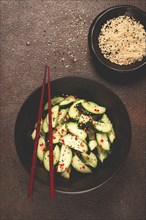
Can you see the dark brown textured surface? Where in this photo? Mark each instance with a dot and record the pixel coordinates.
(34, 33)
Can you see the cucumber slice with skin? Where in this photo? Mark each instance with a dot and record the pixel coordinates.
(72, 127)
(41, 148)
(92, 144)
(65, 158)
(67, 101)
(79, 165)
(104, 125)
(57, 100)
(58, 132)
(62, 115)
(103, 141)
(85, 119)
(45, 125)
(66, 173)
(73, 111)
(74, 142)
(54, 101)
(91, 159)
(55, 111)
(93, 108)
(111, 135)
(56, 156)
(33, 135)
(102, 154)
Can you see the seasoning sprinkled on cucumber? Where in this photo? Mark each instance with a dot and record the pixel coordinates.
(82, 135)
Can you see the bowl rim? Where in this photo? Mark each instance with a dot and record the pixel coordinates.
(91, 33)
(126, 153)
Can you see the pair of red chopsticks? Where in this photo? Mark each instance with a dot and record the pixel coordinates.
(34, 157)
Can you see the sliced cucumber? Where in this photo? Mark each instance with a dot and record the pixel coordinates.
(74, 142)
(79, 165)
(73, 111)
(91, 134)
(41, 148)
(62, 115)
(65, 158)
(66, 173)
(58, 132)
(84, 120)
(104, 125)
(56, 156)
(54, 101)
(67, 101)
(103, 141)
(72, 127)
(93, 108)
(111, 135)
(55, 111)
(33, 135)
(102, 154)
(91, 159)
(92, 144)
(45, 125)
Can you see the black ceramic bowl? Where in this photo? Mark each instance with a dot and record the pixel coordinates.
(83, 88)
(95, 29)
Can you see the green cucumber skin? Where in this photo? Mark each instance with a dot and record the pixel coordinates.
(91, 143)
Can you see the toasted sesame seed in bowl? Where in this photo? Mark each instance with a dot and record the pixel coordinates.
(117, 39)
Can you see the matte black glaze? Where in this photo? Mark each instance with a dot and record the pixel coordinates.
(83, 88)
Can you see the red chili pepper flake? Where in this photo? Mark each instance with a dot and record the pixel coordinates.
(76, 138)
(66, 117)
(67, 170)
(62, 140)
(61, 165)
(101, 140)
(44, 149)
(75, 106)
(60, 113)
(53, 137)
(41, 144)
(86, 130)
(75, 96)
(81, 144)
(62, 130)
(84, 151)
(52, 112)
(55, 129)
(83, 167)
(96, 110)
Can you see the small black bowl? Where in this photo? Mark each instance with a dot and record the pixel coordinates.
(95, 29)
(83, 88)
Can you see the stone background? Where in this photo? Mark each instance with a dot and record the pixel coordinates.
(37, 32)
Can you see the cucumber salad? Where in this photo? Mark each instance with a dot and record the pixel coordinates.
(82, 135)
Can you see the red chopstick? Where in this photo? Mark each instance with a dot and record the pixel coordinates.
(52, 191)
(34, 156)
